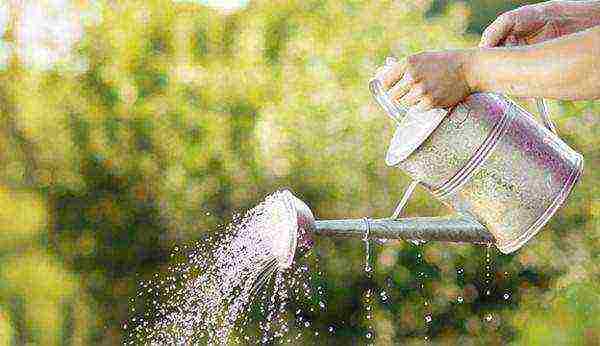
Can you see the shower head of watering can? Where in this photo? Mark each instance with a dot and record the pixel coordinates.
(297, 236)
(393, 109)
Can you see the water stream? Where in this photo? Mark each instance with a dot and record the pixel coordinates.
(205, 298)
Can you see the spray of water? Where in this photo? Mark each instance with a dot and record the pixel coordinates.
(204, 299)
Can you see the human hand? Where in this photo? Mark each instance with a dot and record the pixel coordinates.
(428, 80)
(540, 22)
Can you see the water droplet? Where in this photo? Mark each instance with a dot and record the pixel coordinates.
(307, 324)
(322, 305)
(428, 318)
(460, 299)
(506, 296)
(489, 317)
(369, 335)
(331, 329)
(460, 271)
(488, 292)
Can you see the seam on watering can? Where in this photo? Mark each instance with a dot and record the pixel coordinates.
(478, 158)
(560, 199)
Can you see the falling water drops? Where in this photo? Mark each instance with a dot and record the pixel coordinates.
(208, 292)
(488, 271)
(383, 296)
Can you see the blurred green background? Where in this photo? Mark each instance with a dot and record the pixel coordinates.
(127, 127)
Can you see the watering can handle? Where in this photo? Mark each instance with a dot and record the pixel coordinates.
(542, 108)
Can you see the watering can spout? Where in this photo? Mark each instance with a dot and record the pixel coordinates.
(458, 228)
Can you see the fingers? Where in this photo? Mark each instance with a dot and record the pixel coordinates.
(510, 41)
(496, 32)
(392, 74)
(424, 105)
(413, 96)
(402, 87)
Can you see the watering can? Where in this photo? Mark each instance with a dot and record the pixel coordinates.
(487, 158)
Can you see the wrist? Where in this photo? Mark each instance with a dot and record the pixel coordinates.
(469, 59)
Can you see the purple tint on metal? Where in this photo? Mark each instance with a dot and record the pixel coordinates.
(492, 160)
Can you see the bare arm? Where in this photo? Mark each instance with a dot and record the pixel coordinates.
(567, 68)
(531, 24)
(561, 63)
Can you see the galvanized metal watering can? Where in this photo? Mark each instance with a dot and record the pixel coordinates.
(503, 172)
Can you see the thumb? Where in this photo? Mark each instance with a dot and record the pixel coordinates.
(497, 31)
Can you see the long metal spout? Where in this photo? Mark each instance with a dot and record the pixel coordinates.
(455, 228)
(459, 229)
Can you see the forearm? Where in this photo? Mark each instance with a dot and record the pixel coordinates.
(584, 13)
(567, 68)
(576, 15)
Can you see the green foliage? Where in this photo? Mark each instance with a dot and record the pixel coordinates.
(185, 115)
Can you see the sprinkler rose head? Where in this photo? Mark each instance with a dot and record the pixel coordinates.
(299, 236)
